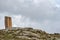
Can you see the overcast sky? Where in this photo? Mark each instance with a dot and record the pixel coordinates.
(40, 14)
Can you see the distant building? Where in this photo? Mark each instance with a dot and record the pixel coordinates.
(8, 22)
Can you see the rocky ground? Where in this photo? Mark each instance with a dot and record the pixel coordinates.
(27, 34)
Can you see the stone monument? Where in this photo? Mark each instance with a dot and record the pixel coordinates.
(8, 22)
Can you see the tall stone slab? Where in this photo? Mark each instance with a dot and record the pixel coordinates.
(8, 22)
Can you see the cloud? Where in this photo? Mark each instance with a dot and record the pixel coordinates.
(43, 14)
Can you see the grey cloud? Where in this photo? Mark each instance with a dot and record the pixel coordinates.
(16, 7)
(45, 10)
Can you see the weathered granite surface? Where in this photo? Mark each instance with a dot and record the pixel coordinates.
(27, 34)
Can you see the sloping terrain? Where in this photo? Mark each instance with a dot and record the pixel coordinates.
(27, 34)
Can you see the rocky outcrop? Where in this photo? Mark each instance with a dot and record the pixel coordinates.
(27, 34)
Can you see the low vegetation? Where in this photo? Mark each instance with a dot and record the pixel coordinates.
(27, 34)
